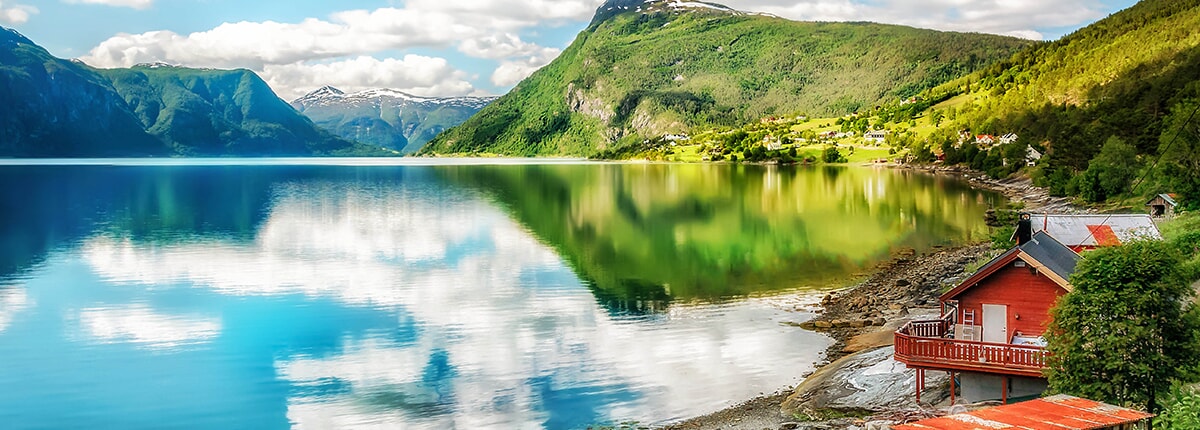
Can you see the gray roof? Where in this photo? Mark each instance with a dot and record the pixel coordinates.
(1051, 253)
(1072, 230)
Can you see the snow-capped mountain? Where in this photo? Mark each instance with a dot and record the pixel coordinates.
(386, 117)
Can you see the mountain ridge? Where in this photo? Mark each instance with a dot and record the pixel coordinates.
(641, 72)
(385, 117)
(65, 108)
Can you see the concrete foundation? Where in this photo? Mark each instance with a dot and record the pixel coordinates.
(978, 387)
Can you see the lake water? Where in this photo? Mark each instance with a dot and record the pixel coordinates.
(430, 293)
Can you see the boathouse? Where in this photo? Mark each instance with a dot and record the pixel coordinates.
(989, 336)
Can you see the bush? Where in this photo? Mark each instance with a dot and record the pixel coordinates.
(1181, 410)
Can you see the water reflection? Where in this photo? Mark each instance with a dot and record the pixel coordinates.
(141, 325)
(647, 234)
(322, 297)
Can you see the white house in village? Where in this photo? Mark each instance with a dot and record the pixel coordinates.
(1008, 138)
(876, 135)
(1032, 156)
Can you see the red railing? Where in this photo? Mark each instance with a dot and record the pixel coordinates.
(925, 344)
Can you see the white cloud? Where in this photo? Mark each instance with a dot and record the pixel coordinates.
(1020, 18)
(414, 74)
(136, 4)
(16, 13)
(511, 72)
(295, 57)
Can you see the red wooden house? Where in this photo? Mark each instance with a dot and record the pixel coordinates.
(990, 333)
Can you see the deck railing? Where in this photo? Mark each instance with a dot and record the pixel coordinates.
(926, 344)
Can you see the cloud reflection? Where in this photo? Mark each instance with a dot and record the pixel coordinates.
(13, 300)
(140, 325)
(496, 347)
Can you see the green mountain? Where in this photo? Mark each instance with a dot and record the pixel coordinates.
(386, 118)
(51, 107)
(58, 108)
(1105, 103)
(642, 70)
(205, 112)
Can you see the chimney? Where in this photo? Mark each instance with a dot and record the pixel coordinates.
(1024, 229)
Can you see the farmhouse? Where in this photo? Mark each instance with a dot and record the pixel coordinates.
(877, 135)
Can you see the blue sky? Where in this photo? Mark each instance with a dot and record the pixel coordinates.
(435, 47)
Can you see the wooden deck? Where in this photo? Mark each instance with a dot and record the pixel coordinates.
(928, 345)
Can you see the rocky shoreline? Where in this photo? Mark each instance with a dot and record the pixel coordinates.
(862, 319)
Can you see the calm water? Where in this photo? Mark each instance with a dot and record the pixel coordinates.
(284, 293)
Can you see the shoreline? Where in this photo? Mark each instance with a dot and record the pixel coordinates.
(862, 317)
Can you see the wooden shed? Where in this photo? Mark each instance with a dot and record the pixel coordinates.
(1161, 206)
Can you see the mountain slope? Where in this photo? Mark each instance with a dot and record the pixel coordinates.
(386, 118)
(645, 69)
(51, 107)
(1131, 79)
(205, 112)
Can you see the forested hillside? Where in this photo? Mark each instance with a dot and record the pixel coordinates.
(1105, 104)
(51, 107)
(206, 112)
(668, 68)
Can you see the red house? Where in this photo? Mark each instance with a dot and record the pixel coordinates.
(990, 334)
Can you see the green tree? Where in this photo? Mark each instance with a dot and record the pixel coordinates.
(1181, 151)
(1111, 172)
(831, 155)
(1128, 329)
(936, 117)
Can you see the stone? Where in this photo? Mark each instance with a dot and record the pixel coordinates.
(789, 426)
(870, 380)
(858, 323)
(903, 283)
(823, 324)
(879, 321)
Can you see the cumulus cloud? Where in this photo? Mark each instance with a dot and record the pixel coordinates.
(510, 72)
(413, 74)
(136, 4)
(1020, 18)
(295, 57)
(16, 13)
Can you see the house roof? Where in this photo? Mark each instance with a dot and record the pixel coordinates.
(1096, 230)
(1048, 256)
(1166, 197)
(1061, 412)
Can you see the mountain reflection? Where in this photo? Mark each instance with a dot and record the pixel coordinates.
(644, 235)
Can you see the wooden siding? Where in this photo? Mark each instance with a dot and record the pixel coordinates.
(1026, 294)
